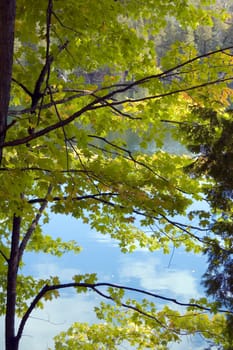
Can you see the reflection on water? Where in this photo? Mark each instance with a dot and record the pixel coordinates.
(176, 275)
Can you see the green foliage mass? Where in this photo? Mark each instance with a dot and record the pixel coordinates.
(86, 73)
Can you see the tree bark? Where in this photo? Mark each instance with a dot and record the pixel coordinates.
(11, 340)
(7, 22)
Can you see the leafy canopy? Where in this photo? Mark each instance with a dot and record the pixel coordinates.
(86, 76)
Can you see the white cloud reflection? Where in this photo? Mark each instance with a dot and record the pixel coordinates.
(57, 316)
(140, 269)
(151, 276)
(44, 270)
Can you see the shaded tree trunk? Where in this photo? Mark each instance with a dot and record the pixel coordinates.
(11, 340)
(7, 20)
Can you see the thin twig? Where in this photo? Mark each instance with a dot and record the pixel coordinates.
(4, 256)
(25, 89)
(63, 128)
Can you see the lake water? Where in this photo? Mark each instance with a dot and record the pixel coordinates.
(176, 275)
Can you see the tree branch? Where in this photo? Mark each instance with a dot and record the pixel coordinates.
(97, 104)
(149, 315)
(33, 225)
(65, 26)
(172, 69)
(79, 198)
(37, 93)
(25, 89)
(4, 256)
(169, 93)
(97, 197)
(74, 171)
(131, 157)
(47, 105)
(131, 307)
(94, 286)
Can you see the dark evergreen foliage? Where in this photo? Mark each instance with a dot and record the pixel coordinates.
(211, 139)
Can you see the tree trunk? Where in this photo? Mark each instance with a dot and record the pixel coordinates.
(11, 340)
(7, 21)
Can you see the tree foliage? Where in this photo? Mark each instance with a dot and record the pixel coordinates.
(84, 74)
(211, 138)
